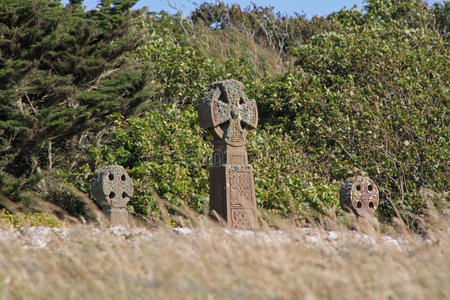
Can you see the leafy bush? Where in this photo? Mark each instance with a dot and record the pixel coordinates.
(372, 97)
(162, 150)
(284, 176)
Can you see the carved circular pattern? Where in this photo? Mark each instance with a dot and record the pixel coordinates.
(228, 113)
(112, 185)
(359, 194)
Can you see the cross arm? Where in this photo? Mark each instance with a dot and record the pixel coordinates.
(249, 113)
(213, 113)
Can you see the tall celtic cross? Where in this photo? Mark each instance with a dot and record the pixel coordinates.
(229, 115)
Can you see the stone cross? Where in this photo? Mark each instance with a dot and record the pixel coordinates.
(229, 114)
(359, 194)
(112, 189)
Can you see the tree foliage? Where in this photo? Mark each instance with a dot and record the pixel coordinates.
(62, 73)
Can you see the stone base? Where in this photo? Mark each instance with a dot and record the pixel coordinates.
(117, 216)
(232, 195)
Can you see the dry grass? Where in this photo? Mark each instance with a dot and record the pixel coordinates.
(83, 262)
(223, 45)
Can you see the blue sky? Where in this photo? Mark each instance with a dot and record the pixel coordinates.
(310, 7)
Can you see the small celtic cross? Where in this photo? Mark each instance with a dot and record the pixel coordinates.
(360, 195)
(112, 187)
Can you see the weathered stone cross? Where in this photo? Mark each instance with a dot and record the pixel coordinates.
(229, 114)
(359, 194)
(112, 187)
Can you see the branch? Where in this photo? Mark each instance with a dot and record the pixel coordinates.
(103, 75)
(31, 105)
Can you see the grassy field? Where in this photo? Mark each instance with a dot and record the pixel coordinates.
(208, 262)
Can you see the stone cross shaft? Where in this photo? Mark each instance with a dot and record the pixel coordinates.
(228, 114)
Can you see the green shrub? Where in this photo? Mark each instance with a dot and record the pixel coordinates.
(32, 219)
(161, 150)
(372, 97)
(284, 176)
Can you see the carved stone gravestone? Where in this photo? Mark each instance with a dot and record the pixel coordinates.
(112, 189)
(359, 194)
(229, 114)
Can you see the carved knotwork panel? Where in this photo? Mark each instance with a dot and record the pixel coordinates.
(241, 184)
(241, 218)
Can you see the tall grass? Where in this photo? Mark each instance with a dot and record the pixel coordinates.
(212, 263)
(223, 45)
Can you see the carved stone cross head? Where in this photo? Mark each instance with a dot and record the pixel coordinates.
(112, 186)
(360, 195)
(228, 113)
